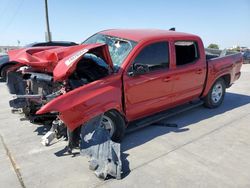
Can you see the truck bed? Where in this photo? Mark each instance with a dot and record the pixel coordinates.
(215, 53)
(227, 66)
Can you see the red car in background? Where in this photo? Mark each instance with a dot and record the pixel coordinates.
(4, 59)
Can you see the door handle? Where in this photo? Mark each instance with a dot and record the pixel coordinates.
(167, 79)
(198, 71)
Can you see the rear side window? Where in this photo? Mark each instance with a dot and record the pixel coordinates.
(186, 52)
(156, 56)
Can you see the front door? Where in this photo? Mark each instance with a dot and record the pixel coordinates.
(149, 92)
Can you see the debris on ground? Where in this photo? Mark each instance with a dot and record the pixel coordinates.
(104, 154)
(57, 131)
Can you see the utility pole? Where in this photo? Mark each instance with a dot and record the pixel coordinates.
(47, 33)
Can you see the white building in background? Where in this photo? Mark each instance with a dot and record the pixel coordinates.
(241, 48)
(5, 49)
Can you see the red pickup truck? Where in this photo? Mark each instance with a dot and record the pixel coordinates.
(126, 75)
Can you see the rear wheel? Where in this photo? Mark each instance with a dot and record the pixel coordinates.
(216, 94)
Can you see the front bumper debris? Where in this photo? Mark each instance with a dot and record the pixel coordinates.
(22, 101)
(104, 154)
(58, 130)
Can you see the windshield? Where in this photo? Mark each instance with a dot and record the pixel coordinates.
(118, 48)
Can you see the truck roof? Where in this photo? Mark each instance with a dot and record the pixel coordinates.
(145, 34)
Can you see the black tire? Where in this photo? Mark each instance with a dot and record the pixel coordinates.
(213, 98)
(4, 72)
(119, 125)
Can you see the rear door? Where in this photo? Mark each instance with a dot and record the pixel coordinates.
(190, 71)
(150, 92)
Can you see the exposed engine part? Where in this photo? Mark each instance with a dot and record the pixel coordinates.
(49, 117)
(18, 103)
(40, 77)
(31, 103)
(35, 89)
(57, 131)
(88, 69)
(54, 94)
(59, 128)
(75, 83)
(104, 154)
(48, 138)
(16, 111)
(15, 83)
(40, 83)
(31, 83)
(27, 103)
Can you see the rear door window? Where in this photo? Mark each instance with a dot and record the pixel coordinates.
(186, 52)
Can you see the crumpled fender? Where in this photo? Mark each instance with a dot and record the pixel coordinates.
(80, 105)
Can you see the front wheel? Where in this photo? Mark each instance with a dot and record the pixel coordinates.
(114, 123)
(216, 94)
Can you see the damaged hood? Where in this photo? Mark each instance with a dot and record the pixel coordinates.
(60, 61)
(67, 65)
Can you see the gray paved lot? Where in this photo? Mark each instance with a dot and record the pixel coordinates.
(211, 148)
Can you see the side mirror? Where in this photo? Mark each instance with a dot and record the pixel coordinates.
(139, 69)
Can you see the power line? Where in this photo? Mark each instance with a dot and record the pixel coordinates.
(2, 12)
(12, 18)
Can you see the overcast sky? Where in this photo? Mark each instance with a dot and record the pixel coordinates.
(225, 22)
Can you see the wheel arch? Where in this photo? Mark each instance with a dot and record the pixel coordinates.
(7, 64)
(114, 110)
(227, 79)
